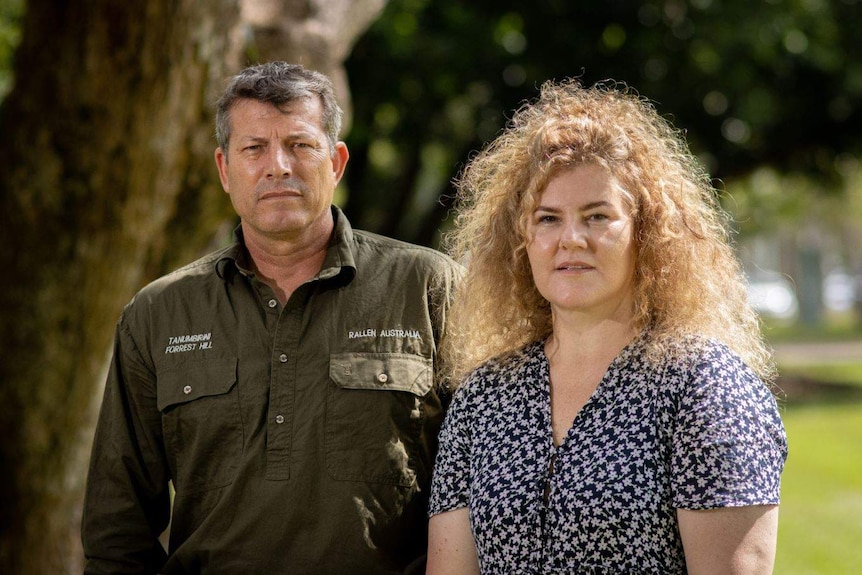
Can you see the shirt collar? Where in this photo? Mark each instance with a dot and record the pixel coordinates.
(338, 263)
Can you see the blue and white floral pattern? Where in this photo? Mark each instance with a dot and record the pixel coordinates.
(696, 432)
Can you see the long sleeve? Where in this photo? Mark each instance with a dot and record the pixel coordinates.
(127, 501)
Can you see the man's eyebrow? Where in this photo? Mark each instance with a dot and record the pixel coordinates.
(290, 136)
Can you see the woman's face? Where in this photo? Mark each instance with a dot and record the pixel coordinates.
(580, 244)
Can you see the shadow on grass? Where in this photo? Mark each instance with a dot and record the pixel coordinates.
(799, 389)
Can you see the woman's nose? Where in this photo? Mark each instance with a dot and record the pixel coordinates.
(573, 235)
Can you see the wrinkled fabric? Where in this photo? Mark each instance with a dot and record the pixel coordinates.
(298, 438)
(696, 432)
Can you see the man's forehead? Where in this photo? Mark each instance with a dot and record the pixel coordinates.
(306, 104)
(305, 112)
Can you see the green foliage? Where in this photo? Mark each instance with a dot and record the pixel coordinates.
(821, 501)
(767, 201)
(11, 12)
(774, 83)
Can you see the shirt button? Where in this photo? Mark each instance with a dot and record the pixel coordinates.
(382, 377)
(283, 358)
(272, 303)
(279, 419)
(187, 389)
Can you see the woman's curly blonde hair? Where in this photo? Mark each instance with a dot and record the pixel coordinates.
(687, 277)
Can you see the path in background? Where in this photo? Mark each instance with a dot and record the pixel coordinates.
(797, 385)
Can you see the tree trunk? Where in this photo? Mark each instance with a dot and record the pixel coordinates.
(318, 34)
(100, 135)
(106, 178)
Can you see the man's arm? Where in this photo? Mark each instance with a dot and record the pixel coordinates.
(127, 503)
(729, 540)
(451, 547)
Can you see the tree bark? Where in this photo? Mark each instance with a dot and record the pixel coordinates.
(106, 178)
(318, 34)
(101, 132)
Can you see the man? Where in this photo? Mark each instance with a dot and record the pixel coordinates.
(284, 386)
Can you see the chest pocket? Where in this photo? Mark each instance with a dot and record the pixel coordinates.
(375, 415)
(201, 422)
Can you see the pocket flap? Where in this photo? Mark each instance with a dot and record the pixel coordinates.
(195, 380)
(382, 371)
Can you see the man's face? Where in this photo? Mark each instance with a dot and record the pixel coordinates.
(279, 170)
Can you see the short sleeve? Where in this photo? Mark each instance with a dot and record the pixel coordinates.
(451, 480)
(729, 444)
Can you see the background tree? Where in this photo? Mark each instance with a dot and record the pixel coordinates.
(107, 178)
(774, 83)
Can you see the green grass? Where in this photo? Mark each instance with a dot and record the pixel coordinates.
(820, 527)
(835, 327)
(820, 524)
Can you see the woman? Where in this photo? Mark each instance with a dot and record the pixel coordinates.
(615, 414)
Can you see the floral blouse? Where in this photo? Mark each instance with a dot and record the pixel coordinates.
(697, 432)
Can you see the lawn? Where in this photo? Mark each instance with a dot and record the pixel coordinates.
(820, 525)
(820, 528)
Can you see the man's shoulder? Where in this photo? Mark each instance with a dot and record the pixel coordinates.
(372, 244)
(188, 277)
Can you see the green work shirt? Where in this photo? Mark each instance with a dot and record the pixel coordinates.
(298, 438)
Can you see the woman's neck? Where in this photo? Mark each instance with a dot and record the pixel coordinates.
(583, 338)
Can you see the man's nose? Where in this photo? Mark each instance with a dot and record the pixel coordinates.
(280, 163)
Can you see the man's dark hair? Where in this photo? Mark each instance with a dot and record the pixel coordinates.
(278, 83)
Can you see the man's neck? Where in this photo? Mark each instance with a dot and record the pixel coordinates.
(286, 263)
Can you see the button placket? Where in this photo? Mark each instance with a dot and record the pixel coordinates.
(284, 321)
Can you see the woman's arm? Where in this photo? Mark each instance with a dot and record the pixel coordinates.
(729, 540)
(451, 548)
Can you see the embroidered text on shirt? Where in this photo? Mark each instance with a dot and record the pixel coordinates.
(183, 343)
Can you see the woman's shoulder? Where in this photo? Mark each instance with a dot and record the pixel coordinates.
(689, 351)
(523, 365)
(695, 366)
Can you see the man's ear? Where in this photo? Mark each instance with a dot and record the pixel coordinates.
(339, 161)
(221, 164)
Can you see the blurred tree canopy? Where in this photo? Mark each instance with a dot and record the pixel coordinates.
(10, 35)
(754, 84)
